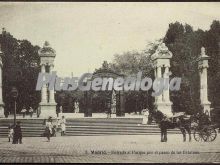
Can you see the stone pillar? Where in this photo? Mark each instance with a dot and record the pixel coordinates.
(155, 72)
(51, 92)
(159, 75)
(204, 84)
(201, 84)
(44, 88)
(166, 93)
(122, 103)
(155, 75)
(203, 65)
(1, 96)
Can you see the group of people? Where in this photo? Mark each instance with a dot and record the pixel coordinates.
(15, 133)
(25, 110)
(51, 128)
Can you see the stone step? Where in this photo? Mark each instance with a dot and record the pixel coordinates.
(118, 133)
(86, 126)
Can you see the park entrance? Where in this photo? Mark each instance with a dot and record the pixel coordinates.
(110, 102)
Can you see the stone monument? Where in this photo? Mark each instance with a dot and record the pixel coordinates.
(161, 61)
(203, 65)
(47, 104)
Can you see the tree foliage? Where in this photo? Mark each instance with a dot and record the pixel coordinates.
(185, 44)
(20, 69)
(129, 64)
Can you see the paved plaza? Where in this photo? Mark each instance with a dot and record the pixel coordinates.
(115, 148)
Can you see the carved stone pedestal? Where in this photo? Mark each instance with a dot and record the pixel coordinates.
(48, 110)
(2, 110)
(206, 107)
(166, 108)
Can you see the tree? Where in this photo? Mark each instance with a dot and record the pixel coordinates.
(212, 45)
(130, 63)
(20, 69)
(185, 44)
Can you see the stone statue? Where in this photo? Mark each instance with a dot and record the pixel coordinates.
(162, 48)
(76, 106)
(203, 51)
(162, 51)
(113, 103)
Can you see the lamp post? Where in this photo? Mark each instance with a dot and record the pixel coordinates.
(86, 104)
(14, 94)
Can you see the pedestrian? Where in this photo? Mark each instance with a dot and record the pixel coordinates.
(38, 111)
(54, 131)
(17, 138)
(63, 125)
(10, 133)
(48, 129)
(31, 111)
(6, 113)
(23, 111)
(57, 110)
(109, 110)
(61, 109)
(58, 125)
(145, 117)
(203, 119)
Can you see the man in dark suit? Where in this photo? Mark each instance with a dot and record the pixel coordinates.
(17, 138)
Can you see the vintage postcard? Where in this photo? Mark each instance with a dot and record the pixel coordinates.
(109, 82)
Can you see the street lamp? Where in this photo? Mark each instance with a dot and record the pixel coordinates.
(14, 94)
(86, 103)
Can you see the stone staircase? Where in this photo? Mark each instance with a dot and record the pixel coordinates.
(87, 127)
(30, 127)
(111, 126)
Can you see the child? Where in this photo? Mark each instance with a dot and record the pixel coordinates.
(10, 133)
(58, 125)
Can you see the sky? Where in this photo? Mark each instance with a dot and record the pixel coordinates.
(85, 34)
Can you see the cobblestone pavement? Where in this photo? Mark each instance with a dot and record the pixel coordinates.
(115, 149)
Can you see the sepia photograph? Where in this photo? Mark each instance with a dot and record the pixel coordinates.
(109, 82)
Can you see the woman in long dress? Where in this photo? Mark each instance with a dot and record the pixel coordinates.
(146, 114)
(61, 109)
(63, 125)
(48, 129)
